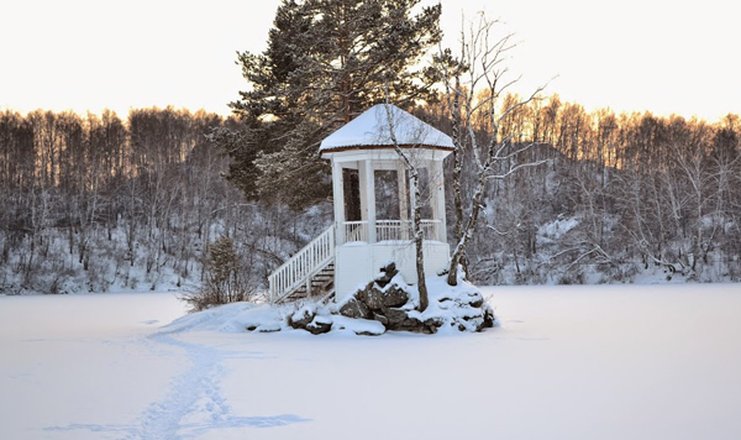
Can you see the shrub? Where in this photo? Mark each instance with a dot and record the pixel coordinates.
(223, 277)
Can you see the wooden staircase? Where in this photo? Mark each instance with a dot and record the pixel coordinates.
(321, 285)
(310, 272)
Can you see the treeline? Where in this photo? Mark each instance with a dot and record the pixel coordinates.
(97, 203)
(622, 195)
(93, 203)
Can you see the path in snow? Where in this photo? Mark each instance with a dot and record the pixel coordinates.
(193, 405)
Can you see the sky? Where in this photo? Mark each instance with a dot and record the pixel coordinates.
(667, 57)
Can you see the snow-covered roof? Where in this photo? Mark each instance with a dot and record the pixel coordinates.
(372, 128)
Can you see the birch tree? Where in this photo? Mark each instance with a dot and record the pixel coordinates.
(418, 234)
(476, 81)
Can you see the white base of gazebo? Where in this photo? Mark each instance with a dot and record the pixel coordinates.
(357, 263)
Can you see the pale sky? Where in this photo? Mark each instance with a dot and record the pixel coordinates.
(665, 56)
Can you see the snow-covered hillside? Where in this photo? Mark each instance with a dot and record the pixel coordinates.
(608, 362)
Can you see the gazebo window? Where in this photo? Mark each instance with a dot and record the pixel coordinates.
(387, 195)
(424, 190)
(351, 191)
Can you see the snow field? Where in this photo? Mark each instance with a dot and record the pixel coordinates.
(585, 362)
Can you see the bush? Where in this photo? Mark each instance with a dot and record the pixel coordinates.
(223, 281)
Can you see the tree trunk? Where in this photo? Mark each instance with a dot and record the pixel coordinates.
(460, 248)
(419, 243)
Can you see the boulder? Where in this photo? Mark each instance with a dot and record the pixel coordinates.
(395, 296)
(375, 297)
(489, 319)
(372, 296)
(475, 300)
(367, 333)
(431, 325)
(388, 272)
(269, 328)
(319, 326)
(380, 318)
(301, 318)
(356, 309)
(398, 319)
(395, 318)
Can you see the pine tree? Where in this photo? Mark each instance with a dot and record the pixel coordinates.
(326, 62)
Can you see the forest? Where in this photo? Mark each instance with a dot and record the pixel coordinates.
(95, 203)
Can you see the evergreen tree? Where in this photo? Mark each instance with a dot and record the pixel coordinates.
(326, 62)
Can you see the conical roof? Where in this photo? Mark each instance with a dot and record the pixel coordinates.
(373, 128)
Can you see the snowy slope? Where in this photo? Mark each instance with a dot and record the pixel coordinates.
(608, 362)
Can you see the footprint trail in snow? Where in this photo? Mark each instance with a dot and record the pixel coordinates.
(193, 404)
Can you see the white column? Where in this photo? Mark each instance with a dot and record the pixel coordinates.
(362, 184)
(437, 193)
(338, 195)
(368, 197)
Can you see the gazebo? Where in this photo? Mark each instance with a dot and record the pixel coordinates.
(373, 207)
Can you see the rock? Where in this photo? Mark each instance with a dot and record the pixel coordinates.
(395, 296)
(269, 328)
(380, 318)
(399, 320)
(301, 318)
(376, 299)
(488, 321)
(468, 313)
(389, 271)
(307, 319)
(371, 296)
(433, 324)
(355, 308)
(475, 300)
(319, 326)
(394, 318)
(367, 333)
(414, 325)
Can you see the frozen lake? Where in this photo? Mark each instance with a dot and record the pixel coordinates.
(585, 362)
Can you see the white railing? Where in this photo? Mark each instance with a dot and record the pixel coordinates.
(356, 231)
(392, 230)
(301, 267)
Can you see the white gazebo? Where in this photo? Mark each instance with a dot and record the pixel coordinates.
(373, 206)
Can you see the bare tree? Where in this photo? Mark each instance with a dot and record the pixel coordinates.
(475, 80)
(414, 180)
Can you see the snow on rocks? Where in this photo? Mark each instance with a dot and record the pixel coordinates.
(387, 303)
(392, 302)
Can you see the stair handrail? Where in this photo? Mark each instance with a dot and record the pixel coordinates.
(302, 265)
